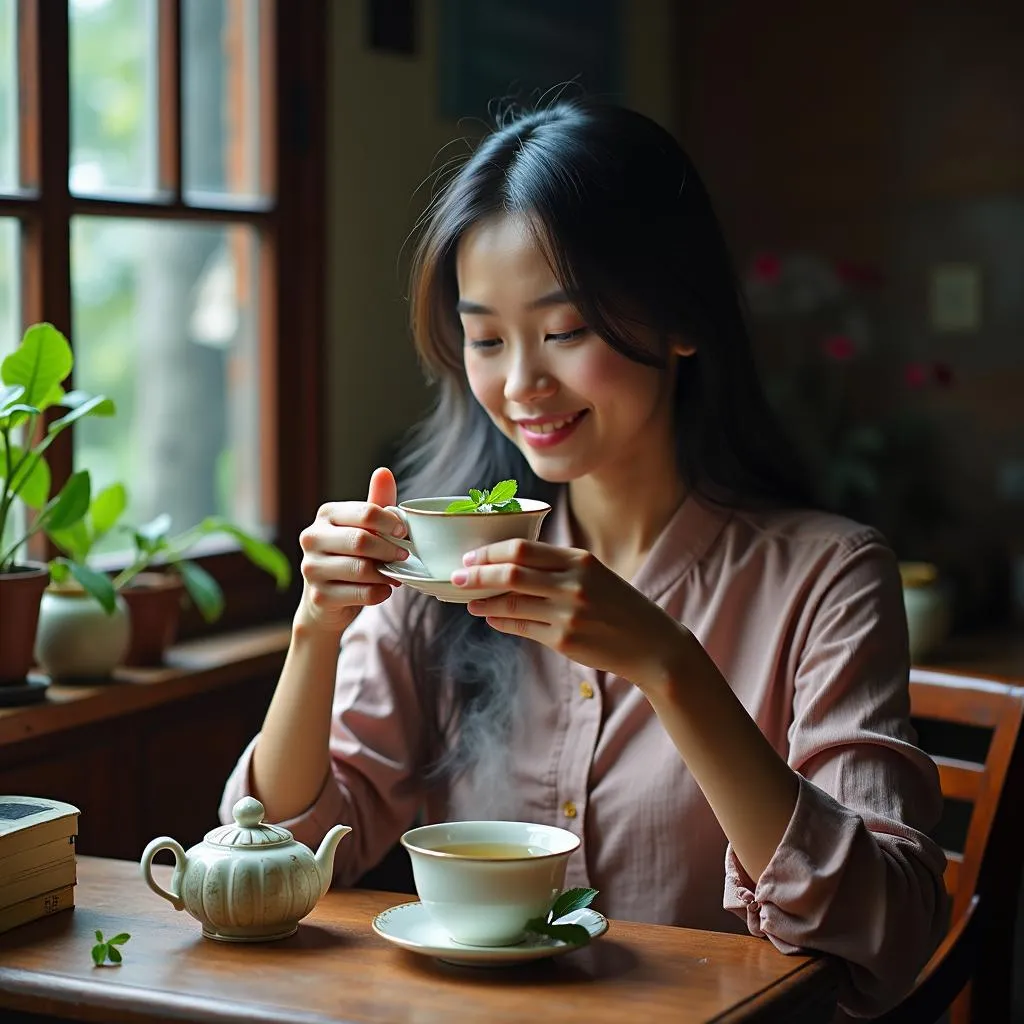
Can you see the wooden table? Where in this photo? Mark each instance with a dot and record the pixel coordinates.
(336, 969)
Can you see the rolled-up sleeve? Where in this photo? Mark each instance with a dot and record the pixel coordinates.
(855, 874)
(371, 786)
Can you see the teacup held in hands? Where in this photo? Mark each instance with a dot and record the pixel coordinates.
(439, 538)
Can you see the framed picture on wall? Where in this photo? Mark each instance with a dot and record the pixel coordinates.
(522, 49)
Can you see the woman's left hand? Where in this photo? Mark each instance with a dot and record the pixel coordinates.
(568, 600)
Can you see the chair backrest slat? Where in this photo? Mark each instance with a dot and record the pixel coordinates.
(984, 878)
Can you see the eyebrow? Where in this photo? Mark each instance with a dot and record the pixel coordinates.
(556, 298)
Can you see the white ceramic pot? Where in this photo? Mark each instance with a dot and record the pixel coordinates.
(927, 602)
(77, 639)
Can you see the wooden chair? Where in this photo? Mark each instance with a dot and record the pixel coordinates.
(971, 973)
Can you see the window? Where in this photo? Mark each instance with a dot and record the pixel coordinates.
(161, 202)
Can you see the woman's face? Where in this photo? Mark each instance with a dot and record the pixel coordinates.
(573, 405)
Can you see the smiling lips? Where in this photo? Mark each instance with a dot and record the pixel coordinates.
(546, 431)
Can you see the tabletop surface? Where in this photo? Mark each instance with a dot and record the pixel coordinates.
(335, 969)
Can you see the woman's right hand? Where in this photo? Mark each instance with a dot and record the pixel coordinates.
(341, 550)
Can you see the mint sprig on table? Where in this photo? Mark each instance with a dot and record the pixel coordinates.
(565, 904)
(500, 498)
(108, 948)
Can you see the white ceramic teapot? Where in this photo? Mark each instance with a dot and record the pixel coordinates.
(246, 882)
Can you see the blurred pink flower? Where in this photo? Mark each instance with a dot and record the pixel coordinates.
(766, 268)
(839, 347)
(858, 274)
(915, 375)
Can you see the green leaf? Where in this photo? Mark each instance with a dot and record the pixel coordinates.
(17, 414)
(99, 936)
(462, 505)
(151, 536)
(572, 934)
(71, 504)
(120, 939)
(263, 555)
(33, 489)
(113, 953)
(97, 584)
(74, 541)
(99, 954)
(502, 492)
(60, 573)
(97, 405)
(477, 496)
(107, 507)
(570, 900)
(39, 364)
(509, 506)
(203, 589)
(9, 395)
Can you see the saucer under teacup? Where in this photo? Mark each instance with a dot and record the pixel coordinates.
(413, 573)
(410, 926)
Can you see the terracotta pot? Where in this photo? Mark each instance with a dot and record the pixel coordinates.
(154, 601)
(20, 594)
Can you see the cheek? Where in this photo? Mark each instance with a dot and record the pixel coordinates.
(486, 383)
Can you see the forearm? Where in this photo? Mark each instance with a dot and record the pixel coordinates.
(291, 760)
(750, 788)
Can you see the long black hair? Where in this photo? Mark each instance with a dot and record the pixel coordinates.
(628, 228)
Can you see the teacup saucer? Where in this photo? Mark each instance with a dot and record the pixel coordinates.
(410, 926)
(413, 573)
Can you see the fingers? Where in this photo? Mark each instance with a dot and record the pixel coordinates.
(507, 576)
(383, 490)
(530, 553)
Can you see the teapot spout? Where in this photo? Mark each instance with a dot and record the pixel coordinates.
(325, 855)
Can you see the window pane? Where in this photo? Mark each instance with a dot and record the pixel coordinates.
(165, 324)
(222, 68)
(113, 97)
(10, 331)
(8, 97)
(10, 279)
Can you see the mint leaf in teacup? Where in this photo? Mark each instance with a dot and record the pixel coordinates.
(567, 902)
(500, 498)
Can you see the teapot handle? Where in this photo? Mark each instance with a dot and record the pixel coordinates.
(165, 843)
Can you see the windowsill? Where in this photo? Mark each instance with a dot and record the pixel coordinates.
(192, 667)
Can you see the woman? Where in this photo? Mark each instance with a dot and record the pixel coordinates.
(699, 676)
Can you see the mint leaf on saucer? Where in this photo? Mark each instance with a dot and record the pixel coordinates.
(570, 900)
(566, 903)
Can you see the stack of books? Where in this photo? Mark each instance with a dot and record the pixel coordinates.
(37, 858)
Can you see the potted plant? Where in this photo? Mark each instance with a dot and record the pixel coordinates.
(151, 599)
(84, 624)
(31, 382)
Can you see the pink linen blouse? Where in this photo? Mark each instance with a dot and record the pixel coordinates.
(802, 613)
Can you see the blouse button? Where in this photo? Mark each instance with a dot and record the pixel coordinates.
(569, 809)
(586, 690)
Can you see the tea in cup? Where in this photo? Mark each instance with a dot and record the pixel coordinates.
(481, 881)
(439, 538)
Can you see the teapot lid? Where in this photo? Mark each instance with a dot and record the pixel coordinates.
(249, 828)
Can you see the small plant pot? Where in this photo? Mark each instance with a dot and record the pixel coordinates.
(154, 603)
(77, 639)
(21, 591)
(926, 598)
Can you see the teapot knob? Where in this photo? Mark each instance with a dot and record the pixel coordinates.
(248, 812)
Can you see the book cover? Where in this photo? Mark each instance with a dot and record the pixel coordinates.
(27, 821)
(35, 857)
(37, 906)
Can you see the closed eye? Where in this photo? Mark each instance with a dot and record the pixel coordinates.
(483, 343)
(568, 335)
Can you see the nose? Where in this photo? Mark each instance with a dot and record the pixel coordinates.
(528, 380)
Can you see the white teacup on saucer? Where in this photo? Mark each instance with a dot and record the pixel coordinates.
(482, 881)
(439, 539)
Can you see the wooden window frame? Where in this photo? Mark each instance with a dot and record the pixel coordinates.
(290, 226)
